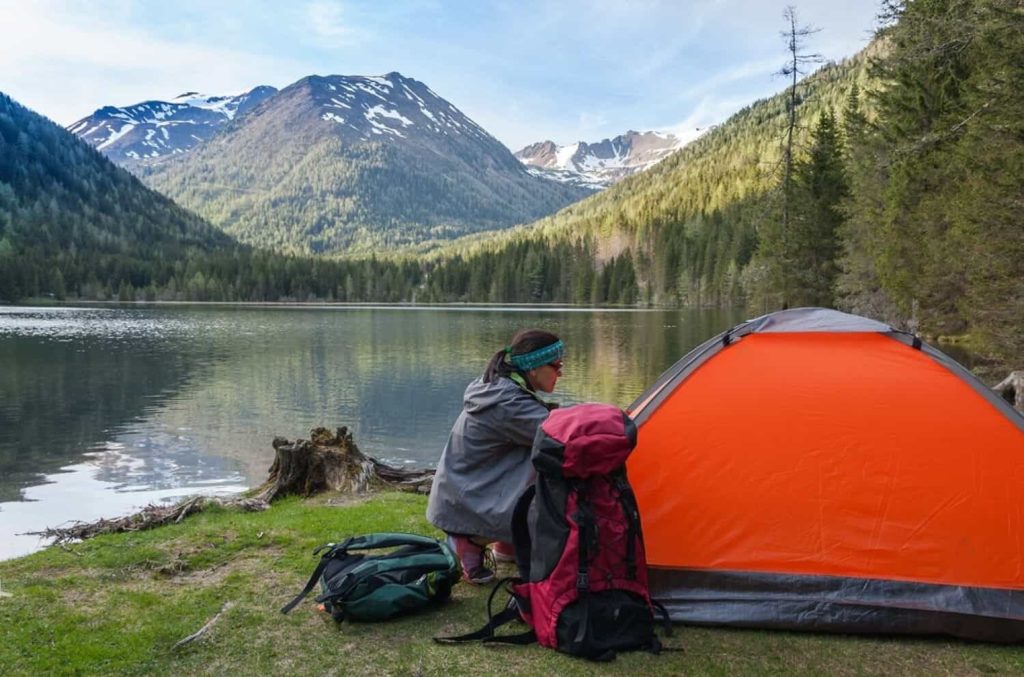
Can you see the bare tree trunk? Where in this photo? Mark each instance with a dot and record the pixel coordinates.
(795, 37)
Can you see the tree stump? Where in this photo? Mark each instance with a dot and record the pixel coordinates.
(332, 462)
(1011, 389)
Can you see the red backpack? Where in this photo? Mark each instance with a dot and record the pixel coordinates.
(582, 584)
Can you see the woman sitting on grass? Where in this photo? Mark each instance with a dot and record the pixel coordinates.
(485, 465)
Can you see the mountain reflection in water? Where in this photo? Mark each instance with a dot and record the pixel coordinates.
(103, 410)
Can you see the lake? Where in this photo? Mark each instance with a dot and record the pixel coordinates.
(104, 410)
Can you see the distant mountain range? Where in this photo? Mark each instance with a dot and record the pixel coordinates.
(152, 131)
(599, 165)
(328, 164)
(352, 163)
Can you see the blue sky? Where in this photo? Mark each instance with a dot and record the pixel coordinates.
(526, 71)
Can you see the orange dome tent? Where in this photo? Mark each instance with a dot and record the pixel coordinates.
(811, 469)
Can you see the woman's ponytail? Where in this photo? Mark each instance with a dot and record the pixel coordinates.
(497, 366)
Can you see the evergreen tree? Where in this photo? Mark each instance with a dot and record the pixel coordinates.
(821, 185)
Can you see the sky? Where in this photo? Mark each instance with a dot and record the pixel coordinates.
(525, 70)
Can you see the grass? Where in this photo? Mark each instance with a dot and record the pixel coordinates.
(118, 604)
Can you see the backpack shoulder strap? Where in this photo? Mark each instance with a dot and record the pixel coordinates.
(332, 551)
(521, 532)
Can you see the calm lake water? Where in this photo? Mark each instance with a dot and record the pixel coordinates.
(104, 410)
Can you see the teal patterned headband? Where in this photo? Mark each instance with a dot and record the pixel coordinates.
(539, 357)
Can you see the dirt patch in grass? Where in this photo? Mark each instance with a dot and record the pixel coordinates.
(245, 563)
(339, 500)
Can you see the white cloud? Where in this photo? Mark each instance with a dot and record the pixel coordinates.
(63, 62)
(327, 22)
(708, 113)
(588, 122)
(759, 69)
(639, 65)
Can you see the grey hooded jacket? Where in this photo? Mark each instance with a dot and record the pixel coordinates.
(485, 465)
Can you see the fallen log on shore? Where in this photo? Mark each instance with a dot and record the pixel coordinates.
(149, 517)
(1011, 389)
(326, 462)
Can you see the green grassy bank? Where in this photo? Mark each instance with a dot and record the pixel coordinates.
(118, 604)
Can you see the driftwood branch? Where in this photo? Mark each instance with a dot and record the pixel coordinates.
(149, 517)
(326, 462)
(206, 628)
(1011, 389)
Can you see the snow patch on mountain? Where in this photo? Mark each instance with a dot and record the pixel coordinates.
(380, 111)
(563, 156)
(226, 105)
(116, 134)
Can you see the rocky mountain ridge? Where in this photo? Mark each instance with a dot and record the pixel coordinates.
(601, 164)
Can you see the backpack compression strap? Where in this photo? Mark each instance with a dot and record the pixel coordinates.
(632, 514)
(486, 633)
(390, 540)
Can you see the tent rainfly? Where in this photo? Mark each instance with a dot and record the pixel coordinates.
(811, 469)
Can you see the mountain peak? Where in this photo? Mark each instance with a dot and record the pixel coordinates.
(381, 108)
(150, 131)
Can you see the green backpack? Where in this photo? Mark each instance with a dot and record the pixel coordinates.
(419, 572)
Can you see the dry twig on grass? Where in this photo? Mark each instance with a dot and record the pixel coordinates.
(203, 630)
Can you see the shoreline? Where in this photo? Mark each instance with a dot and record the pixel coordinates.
(382, 305)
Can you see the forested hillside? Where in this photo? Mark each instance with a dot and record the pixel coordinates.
(904, 201)
(70, 219)
(683, 232)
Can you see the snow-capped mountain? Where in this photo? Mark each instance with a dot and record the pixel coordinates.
(374, 108)
(151, 131)
(344, 163)
(599, 165)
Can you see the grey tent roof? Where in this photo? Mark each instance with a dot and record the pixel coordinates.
(811, 319)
